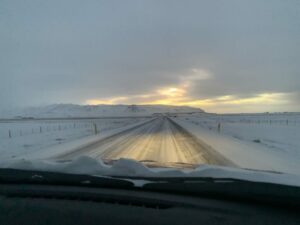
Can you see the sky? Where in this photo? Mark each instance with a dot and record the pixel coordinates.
(225, 56)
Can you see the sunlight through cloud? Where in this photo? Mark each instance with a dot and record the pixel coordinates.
(179, 94)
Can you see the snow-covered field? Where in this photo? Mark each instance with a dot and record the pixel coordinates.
(269, 142)
(251, 140)
(19, 138)
(34, 129)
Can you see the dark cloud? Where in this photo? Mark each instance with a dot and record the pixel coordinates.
(71, 51)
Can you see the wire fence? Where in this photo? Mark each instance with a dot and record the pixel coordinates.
(218, 123)
(14, 131)
(10, 130)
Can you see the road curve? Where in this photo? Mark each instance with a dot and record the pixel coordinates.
(158, 142)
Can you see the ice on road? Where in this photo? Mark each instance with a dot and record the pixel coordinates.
(161, 141)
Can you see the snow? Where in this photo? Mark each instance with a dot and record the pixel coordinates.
(57, 135)
(266, 142)
(54, 151)
(131, 168)
(257, 141)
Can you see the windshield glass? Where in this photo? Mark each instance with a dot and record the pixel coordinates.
(207, 86)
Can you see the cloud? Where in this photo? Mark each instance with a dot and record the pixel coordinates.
(175, 93)
(180, 94)
(148, 51)
(263, 102)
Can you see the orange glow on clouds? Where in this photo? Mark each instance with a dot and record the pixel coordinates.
(179, 95)
(171, 92)
(221, 104)
(110, 101)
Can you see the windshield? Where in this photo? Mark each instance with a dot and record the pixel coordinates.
(205, 88)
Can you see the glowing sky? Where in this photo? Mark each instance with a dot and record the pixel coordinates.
(222, 56)
(178, 95)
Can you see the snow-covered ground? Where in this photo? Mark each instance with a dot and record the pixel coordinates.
(269, 142)
(258, 141)
(22, 138)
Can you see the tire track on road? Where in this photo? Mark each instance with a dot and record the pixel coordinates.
(161, 141)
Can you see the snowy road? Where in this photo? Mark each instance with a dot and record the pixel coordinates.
(158, 142)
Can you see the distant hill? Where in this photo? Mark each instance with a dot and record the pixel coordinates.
(71, 110)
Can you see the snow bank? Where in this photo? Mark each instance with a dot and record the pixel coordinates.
(128, 167)
(243, 153)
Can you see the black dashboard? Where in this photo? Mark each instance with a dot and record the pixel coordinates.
(38, 205)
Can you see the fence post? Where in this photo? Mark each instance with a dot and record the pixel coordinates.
(219, 127)
(95, 128)
(9, 133)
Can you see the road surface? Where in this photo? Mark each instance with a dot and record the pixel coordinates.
(159, 142)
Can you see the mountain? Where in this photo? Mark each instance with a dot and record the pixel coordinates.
(71, 110)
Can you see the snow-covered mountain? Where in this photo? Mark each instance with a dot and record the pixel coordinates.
(71, 110)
